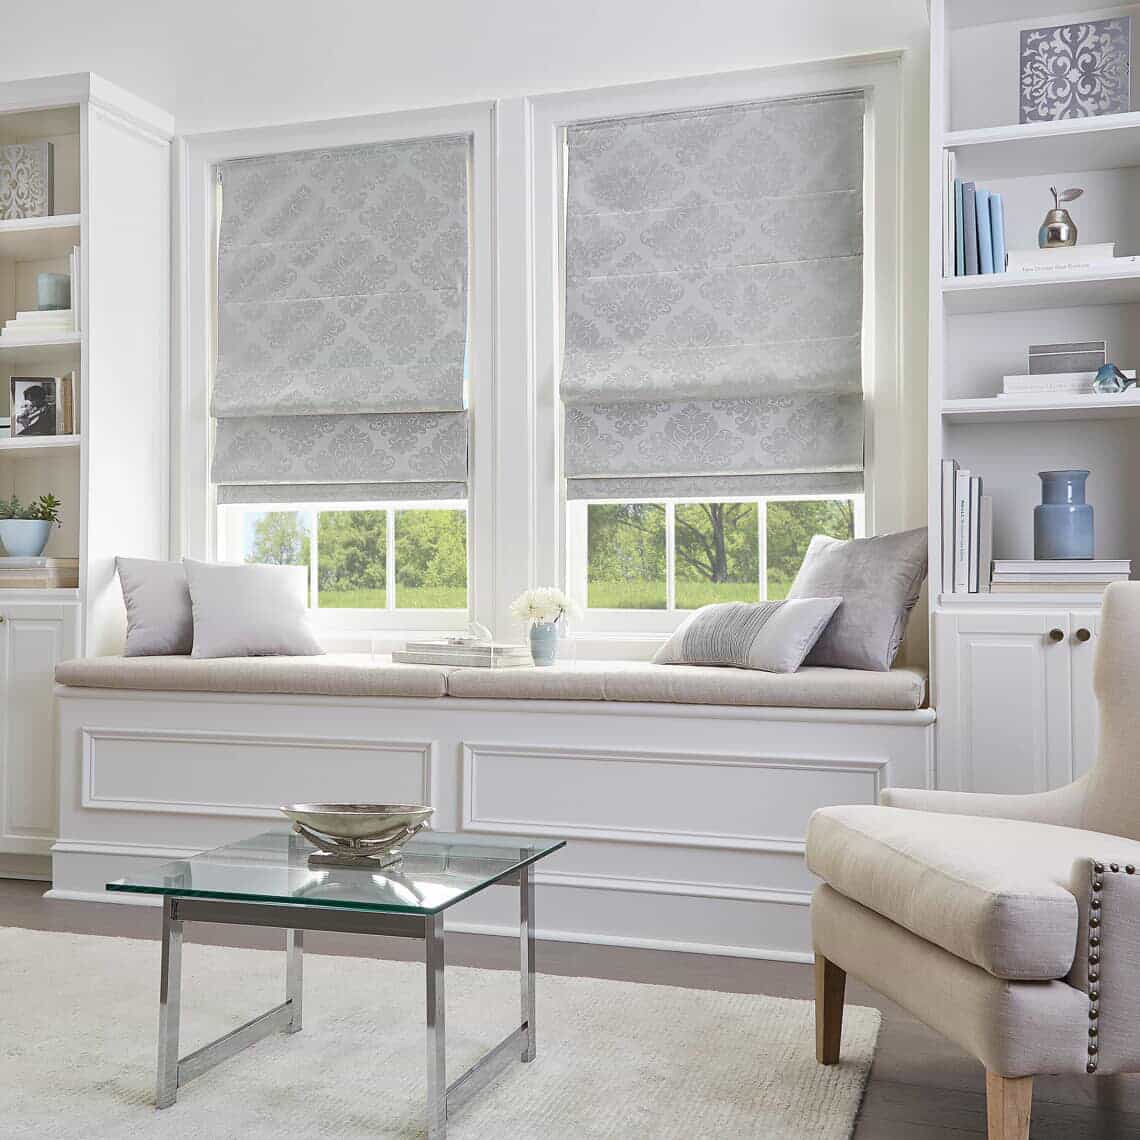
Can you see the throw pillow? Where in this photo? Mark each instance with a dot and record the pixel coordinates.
(772, 636)
(250, 611)
(879, 580)
(159, 617)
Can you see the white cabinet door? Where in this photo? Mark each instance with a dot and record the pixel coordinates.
(33, 638)
(1004, 701)
(1084, 630)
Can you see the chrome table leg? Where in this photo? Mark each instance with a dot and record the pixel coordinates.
(526, 963)
(436, 1030)
(294, 976)
(169, 1005)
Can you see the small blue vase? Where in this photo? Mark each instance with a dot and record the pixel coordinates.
(544, 642)
(1063, 524)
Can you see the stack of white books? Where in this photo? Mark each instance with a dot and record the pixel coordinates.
(967, 531)
(471, 654)
(38, 325)
(39, 573)
(1058, 576)
(1052, 384)
(1073, 259)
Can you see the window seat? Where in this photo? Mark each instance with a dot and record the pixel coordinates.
(362, 675)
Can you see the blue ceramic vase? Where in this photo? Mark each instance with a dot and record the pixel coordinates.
(1063, 523)
(544, 642)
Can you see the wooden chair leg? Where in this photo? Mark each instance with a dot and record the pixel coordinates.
(1009, 1101)
(830, 982)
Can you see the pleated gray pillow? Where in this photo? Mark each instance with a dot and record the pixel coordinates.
(879, 580)
(157, 597)
(771, 636)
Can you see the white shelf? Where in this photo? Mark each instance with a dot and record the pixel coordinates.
(39, 239)
(1014, 292)
(1012, 601)
(990, 409)
(1106, 142)
(67, 595)
(32, 350)
(41, 445)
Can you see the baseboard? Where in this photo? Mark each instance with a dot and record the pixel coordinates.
(34, 867)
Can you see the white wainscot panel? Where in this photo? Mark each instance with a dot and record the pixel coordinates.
(240, 774)
(701, 799)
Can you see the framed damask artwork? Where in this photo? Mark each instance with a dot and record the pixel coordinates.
(26, 180)
(1076, 71)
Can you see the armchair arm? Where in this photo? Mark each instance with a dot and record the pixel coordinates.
(1107, 965)
(1062, 806)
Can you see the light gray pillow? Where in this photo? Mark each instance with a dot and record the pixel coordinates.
(159, 618)
(772, 636)
(879, 580)
(250, 610)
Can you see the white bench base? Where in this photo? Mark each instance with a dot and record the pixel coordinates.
(697, 845)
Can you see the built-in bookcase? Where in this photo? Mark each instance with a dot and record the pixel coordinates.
(111, 160)
(981, 326)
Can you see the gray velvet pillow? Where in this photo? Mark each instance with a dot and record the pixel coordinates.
(250, 610)
(159, 618)
(771, 636)
(879, 580)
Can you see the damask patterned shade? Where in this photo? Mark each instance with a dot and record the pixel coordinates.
(714, 285)
(342, 323)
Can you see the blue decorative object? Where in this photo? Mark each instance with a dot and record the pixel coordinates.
(53, 291)
(1063, 523)
(1110, 380)
(24, 538)
(544, 642)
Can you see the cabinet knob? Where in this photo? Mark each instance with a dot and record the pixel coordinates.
(1083, 634)
(1056, 635)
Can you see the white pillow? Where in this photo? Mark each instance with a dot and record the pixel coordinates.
(772, 636)
(250, 611)
(159, 618)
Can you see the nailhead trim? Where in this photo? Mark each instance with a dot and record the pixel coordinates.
(1095, 949)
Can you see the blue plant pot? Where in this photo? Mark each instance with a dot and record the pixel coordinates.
(544, 642)
(1063, 523)
(24, 538)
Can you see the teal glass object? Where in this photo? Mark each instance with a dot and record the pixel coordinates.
(53, 291)
(1110, 380)
(1063, 523)
(544, 642)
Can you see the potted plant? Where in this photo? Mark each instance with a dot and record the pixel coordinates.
(24, 531)
(543, 610)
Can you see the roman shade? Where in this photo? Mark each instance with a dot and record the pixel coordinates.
(342, 324)
(713, 301)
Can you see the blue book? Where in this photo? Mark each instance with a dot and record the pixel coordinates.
(969, 229)
(959, 237)
(985, 241)
(997, 231)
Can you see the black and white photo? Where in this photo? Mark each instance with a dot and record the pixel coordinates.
(35, 405)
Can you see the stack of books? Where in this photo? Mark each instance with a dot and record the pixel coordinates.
(38, 325)
(1060, 576)
(1075, 259)
(1055, 384)
(973, 230)
(39, 573)
(967, 531)
(471, 654)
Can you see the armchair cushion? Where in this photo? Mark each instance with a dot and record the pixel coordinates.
(994, 892)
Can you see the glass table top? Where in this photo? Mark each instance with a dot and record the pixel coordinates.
(438, 869)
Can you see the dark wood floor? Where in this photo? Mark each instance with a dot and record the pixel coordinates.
(922, 1088)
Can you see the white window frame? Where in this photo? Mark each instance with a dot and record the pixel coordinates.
(878, 77)
(662, 622)
(194, 526)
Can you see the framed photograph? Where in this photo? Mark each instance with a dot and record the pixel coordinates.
(34, 406)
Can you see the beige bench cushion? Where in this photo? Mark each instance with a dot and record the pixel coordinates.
(697, 685)
(331, 675)
(994, 892)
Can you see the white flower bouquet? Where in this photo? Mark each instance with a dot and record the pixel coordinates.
(544, 604)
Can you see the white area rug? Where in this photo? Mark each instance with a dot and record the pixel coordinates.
(79, 1016)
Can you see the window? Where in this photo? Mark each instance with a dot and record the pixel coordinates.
(366, 558)
(681, 554)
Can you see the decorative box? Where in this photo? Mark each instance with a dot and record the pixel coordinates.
(26, 180)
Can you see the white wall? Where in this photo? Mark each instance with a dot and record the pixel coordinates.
(218, 64)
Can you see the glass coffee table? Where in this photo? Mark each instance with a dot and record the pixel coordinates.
(267, 881)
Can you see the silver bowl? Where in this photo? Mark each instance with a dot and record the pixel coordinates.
(357, 834)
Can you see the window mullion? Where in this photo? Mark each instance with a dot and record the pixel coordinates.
(314, 559)
(390, 560)
(670, 558)
(762, 543)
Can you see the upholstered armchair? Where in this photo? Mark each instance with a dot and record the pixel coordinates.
(1010, 924)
